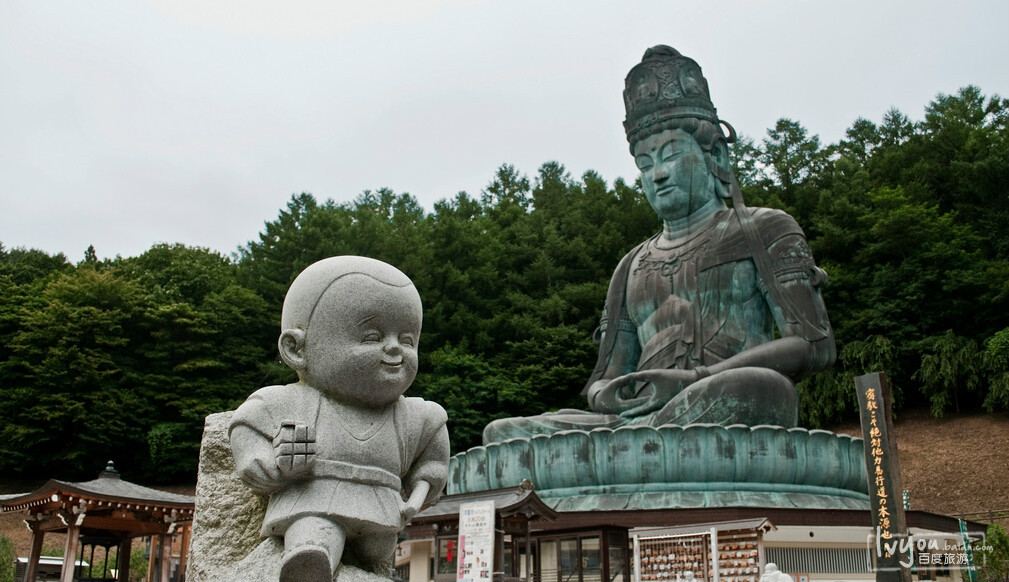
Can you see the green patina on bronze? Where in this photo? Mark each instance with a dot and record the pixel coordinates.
(711, 321)
(715, 318)
(701, 465)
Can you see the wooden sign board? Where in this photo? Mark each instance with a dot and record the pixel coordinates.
(890, 541)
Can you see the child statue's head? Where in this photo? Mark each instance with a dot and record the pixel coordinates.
(350, 328)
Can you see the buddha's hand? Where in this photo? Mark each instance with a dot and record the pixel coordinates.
(605, 396)
(639, 393)
(294, 448)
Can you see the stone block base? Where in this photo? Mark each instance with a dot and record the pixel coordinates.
(226, 545)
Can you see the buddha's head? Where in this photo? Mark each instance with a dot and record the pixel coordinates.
(675, 135)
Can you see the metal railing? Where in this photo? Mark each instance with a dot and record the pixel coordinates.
(820, 560)
(999, 516)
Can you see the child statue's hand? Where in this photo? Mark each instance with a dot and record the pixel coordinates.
(417, 497)
(294, 448)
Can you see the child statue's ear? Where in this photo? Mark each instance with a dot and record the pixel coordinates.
(292, 348)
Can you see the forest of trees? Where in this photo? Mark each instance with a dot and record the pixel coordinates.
(122, 359)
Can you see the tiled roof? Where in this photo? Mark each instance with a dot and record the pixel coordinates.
(107, 487)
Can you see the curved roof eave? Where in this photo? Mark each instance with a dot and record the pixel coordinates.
(106, 489)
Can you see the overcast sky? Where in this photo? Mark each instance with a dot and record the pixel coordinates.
(128, 123)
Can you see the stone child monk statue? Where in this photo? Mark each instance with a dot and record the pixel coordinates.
(345, 458)
(715, 318)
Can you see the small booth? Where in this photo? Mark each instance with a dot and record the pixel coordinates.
(100, 519)
(730, 551)
(527, 548)
(433, 534)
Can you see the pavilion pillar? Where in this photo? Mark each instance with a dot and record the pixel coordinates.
(31, 572)
(123, 559)
(165, 555)
(152, 560)
(70, 552)
(187, 533)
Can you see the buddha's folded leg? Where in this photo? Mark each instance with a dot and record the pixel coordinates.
(750, 396)
(549, 423)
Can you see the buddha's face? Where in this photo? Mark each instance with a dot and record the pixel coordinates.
(361, 344)
(674, 174)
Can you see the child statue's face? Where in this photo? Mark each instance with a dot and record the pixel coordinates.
(361, 343)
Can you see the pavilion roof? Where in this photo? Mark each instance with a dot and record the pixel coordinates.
(507, 502)
(107, 489)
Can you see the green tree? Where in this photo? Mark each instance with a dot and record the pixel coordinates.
(963, 161)
(202, 346)
(472, 391)
(28, 265)
(139, 560)
(90, 256)
(791, 154)
(68, 400)
(907, 221)
(996, 366)
(896, 129)
(124, 362)
(746, 163)
(992, 555)
(299, 236)
(862, 138)
(7, 559)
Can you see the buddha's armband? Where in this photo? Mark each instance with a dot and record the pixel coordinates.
(798, 279)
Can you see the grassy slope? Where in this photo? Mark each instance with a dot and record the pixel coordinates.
(953, 465)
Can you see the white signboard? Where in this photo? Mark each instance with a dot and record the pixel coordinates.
(476, 542)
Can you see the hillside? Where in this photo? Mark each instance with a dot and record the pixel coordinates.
(955, 465)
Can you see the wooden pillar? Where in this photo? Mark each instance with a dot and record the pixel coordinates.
(70, 553)
(123, 559)
(152, 559)
(187, 532)
(31, 572)
(529, 551)
(165, 555)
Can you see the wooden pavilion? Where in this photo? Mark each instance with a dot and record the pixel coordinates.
(108, 513)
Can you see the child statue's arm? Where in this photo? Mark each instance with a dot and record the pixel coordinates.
(269, 453)
(255, 463)
(429, 472)
(417, 498)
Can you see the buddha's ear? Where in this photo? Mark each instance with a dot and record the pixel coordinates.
(718, 165)
(292, 348)
(720, 154)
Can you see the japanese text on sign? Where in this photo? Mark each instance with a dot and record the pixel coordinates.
(476, 542)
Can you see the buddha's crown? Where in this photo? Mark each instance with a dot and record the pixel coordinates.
(663, 86)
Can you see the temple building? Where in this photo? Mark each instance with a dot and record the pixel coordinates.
(100, 519)
(702, 502)
(718, 544)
